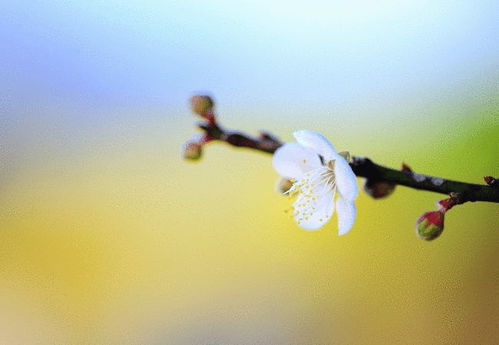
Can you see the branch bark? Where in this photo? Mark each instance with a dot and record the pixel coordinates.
(460, 192)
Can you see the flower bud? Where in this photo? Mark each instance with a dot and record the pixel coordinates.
(283, 185)
(430, 225)
(406, 168)
(491, 181)
(346, 155)
(192, 150)
(202, 105)
(378, 189)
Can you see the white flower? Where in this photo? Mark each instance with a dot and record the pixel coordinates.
(319, 174)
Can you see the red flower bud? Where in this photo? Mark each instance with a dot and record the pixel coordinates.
(430, 225)
(491, 181)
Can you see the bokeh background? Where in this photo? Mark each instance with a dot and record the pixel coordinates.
(108, 237)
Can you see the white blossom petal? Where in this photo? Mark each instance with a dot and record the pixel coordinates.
(292, 160)
(312, 212)
(319, 171)
(345, 210)
(346, 181)
(316, 142)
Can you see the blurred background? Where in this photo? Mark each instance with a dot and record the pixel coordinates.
(108, 237)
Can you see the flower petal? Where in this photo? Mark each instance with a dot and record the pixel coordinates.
(346, 181)
(345, 210)
(292, 160)
(313, 211)
(317, 142)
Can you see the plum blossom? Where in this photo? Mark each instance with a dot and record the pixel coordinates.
(322, 181)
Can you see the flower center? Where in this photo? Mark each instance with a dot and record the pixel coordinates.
(310, 190)
(315, 183)
(323, 176)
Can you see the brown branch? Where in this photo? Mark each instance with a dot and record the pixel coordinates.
(460, 192)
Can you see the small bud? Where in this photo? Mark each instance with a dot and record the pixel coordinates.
(202, 105)
(192, 150)
(283, 185)
(406, 168)
(378, 189)
(346, 155)
(491, 181)
(430, 225)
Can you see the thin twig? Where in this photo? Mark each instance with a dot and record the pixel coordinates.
(461, 192)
